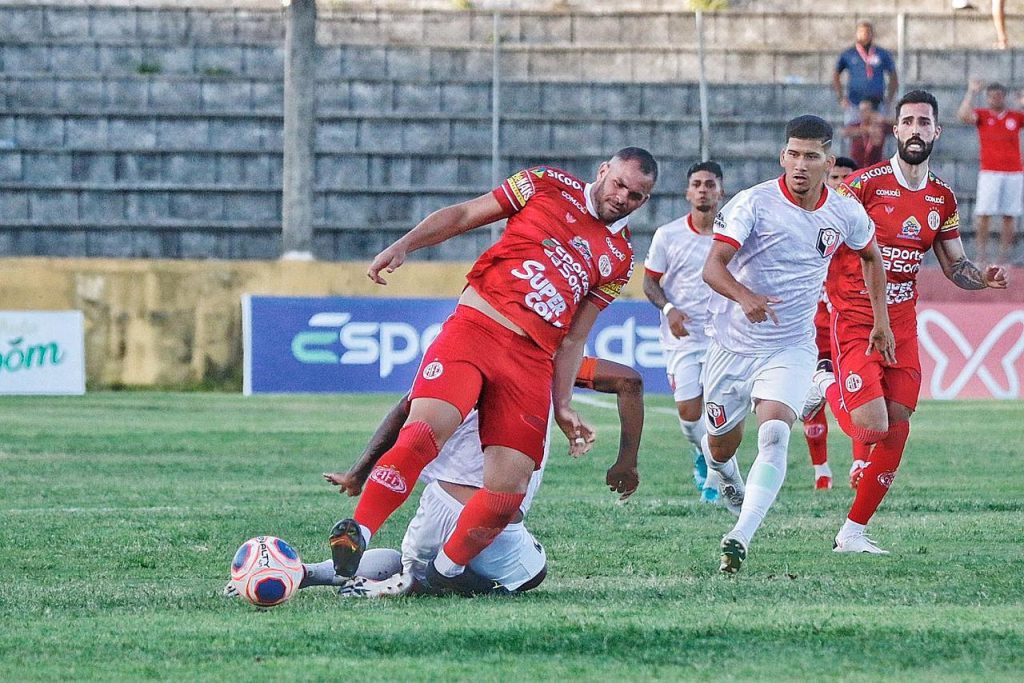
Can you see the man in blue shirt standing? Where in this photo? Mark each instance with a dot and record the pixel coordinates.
(866, 65)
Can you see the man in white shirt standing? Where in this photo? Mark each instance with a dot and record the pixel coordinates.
(677, 254)
(771, 250)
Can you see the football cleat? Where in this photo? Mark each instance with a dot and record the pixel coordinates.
(700, 469)
(361, 587)
(820, 381)
(347, 547)
(731, 494)
(709, 495)
(230, 591)
(733, 554)
(856, 543)
(467, 584)
(857, 473)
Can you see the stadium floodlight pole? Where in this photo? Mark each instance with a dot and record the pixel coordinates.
(299, 126)
(495, 115)
(901, 50)
(702, 91)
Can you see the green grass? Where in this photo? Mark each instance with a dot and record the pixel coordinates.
(119, 514)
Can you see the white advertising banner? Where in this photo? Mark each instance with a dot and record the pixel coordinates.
(42, 352)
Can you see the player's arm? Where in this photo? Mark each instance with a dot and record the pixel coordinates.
(351, 482)
(716, 274)
(962, 272)
(581, 435)
(628, 386)
(882, 339)
(439, 226)
(837, 84)
(966, 110)
(892, 86)
(656, 295)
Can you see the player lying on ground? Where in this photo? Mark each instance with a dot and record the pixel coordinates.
(515, 561)
(564, 256)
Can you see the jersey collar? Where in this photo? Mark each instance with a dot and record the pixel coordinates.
(897, 172)
(789, 195)
(614, 228)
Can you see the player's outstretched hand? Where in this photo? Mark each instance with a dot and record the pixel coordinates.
(622, 478)
(758, 308)
(346, 482)
(677, 323)
(580, 434)
(883, 341)
(389, 259)
(996, 277)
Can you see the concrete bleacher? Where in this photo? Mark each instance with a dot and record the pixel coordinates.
(156, 131)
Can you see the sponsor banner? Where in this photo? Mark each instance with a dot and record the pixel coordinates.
(42, 352)
(327, 344)
(971, 350)
(337, 344)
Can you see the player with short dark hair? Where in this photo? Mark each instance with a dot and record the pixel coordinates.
(512, 347)
(873, 395)
(678, 251)
(771, 249)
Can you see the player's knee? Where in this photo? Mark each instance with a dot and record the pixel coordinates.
(720, 451)
(690, 411)
(871, 422)
(632, 385)
(537, 580)
(773, 441)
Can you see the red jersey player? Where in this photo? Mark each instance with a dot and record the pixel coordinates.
(513, 346)
(873, 400)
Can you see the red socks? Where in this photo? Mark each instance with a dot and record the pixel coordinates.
(816, 431)
(878, 475)
(484, 517)
(393, 478)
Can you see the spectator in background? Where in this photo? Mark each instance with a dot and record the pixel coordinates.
(998, 19)
(1000, 178)
(866, 65)
(867, 133)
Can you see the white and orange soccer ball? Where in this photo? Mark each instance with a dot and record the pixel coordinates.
(266, 571)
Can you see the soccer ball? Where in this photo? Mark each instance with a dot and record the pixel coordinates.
(266, 571)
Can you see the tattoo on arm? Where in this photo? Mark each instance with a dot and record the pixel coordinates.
(966, 275)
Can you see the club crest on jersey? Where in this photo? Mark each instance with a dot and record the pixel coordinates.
(934, 219)
(716, 413)
(433, 370)
(580, 244)
(1011, 124)
(611, 247)
(828, 241)
(854, 382)
(604, 265)
(911, 229)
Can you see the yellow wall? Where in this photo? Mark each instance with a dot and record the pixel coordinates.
(172, 323)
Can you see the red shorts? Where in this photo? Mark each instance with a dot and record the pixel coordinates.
(585, 377)
(477, 362)
(822, 331)
(862, 378)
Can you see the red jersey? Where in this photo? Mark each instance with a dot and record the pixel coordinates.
(554, 253)
(907, 222)
(999, 139)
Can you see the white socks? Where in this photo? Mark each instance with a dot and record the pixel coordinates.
(851, 528)
(445, 566)
(728, 470)
(694, 432)
(765, 478)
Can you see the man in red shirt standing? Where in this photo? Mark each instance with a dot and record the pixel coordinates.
(1000, 179)
(873, 399)
(511, 349)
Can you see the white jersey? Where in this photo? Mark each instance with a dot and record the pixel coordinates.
(677, 256)
(461, 460)
(783, 250)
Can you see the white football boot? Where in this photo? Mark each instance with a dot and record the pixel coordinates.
(856, 543)
(360, 587)
(821, 379)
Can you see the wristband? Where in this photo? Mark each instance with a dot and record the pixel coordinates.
(666, 308)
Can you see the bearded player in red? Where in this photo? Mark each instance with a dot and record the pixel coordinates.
(511, 349)
(873, 399)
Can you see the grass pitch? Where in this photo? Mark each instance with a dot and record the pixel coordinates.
(119, 514)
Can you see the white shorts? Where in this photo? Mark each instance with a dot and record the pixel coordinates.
(512, 559)
(999, 193)
(684, 368)
(732, 381)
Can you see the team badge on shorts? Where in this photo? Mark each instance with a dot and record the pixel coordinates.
(433, 370)
(854, 382)
(716, 413)
(828, 241)
(604, 265)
